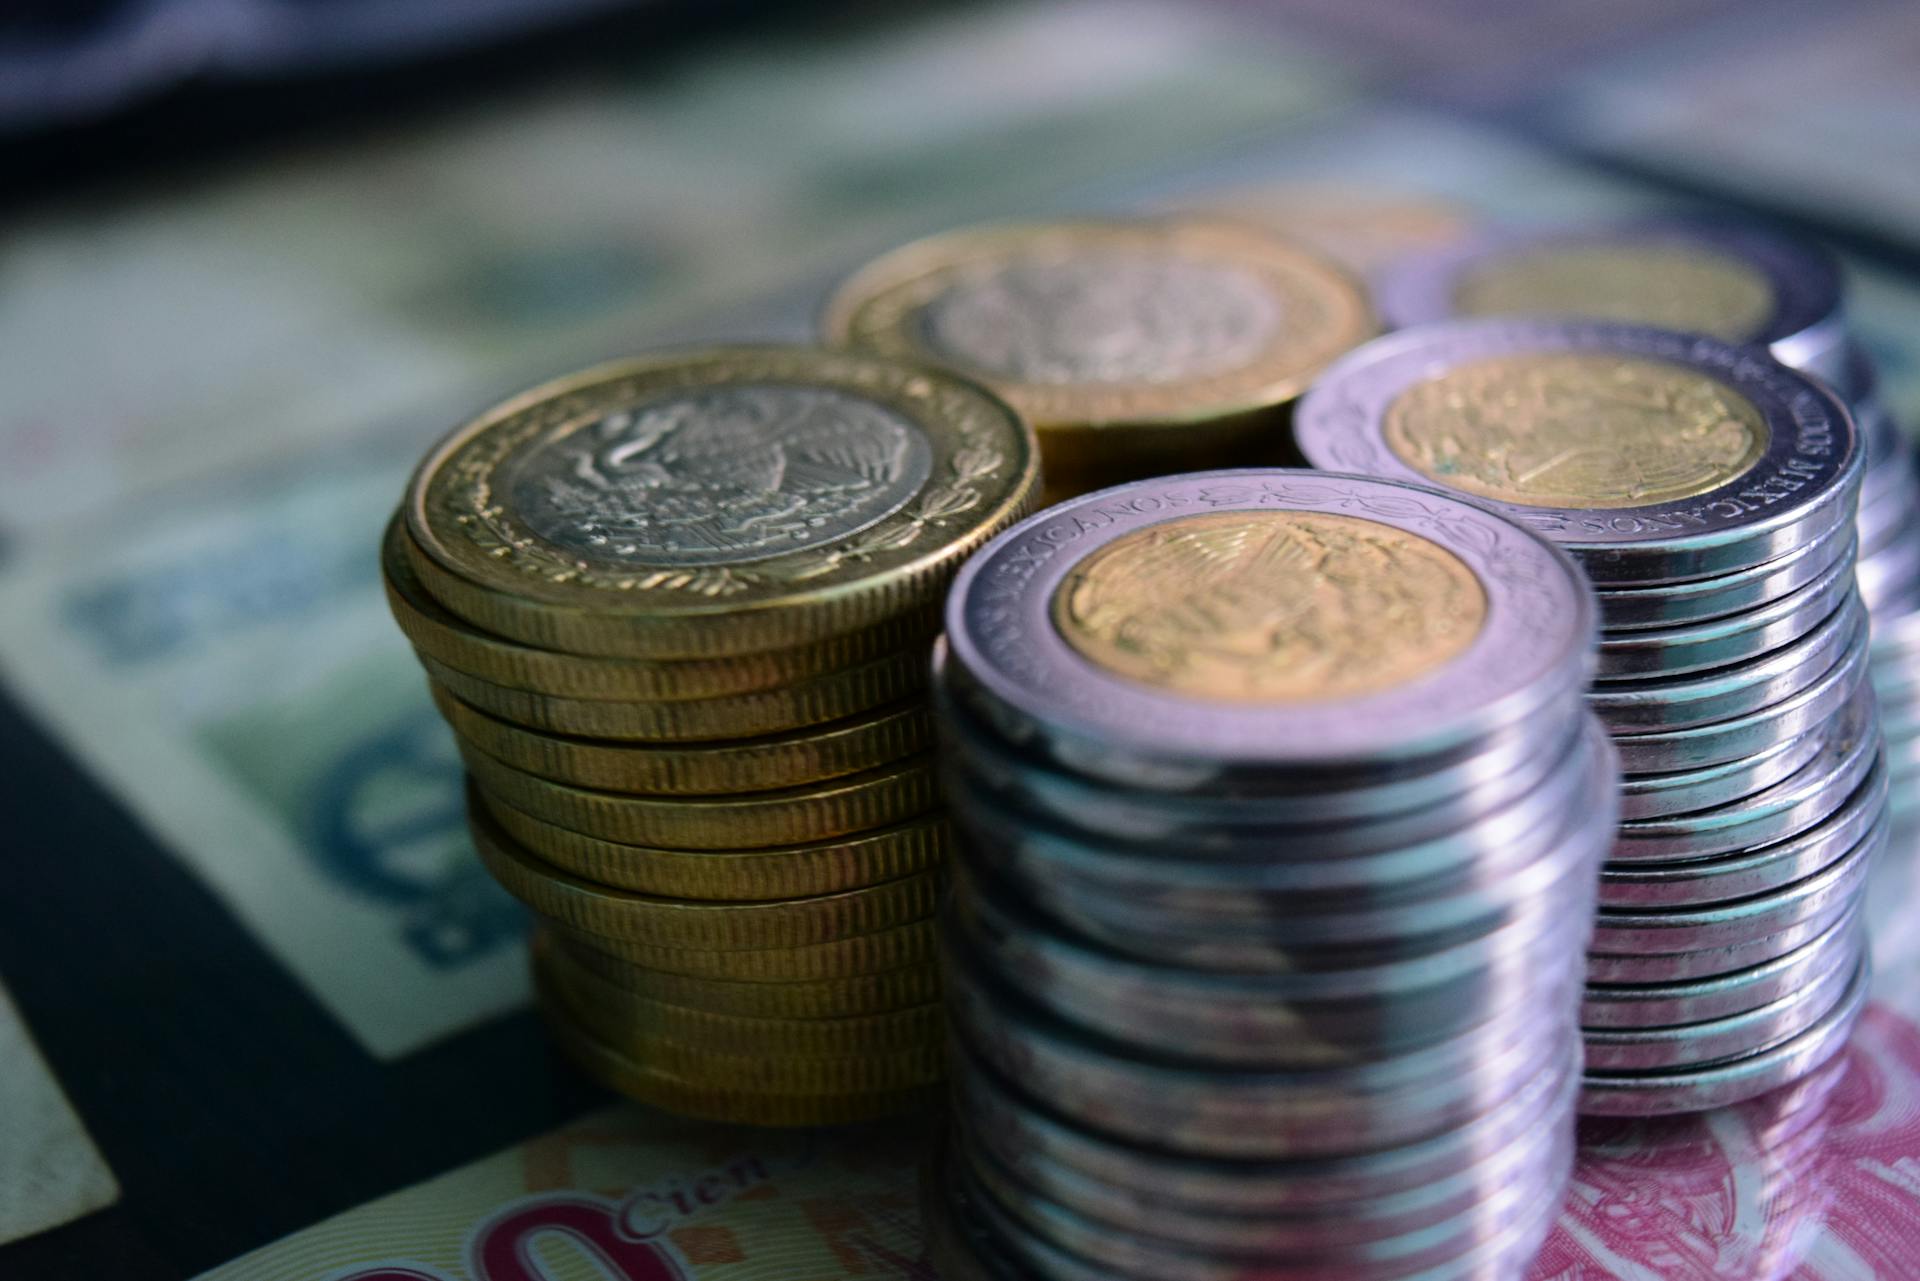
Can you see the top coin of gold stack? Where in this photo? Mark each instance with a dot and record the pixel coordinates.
(1136, 347)
(677, 611)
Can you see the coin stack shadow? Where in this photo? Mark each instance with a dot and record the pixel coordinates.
(1279, 827)
(735, 860)
(1135, 346)
(1709, 492)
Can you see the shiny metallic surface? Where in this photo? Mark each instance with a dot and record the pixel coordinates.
(1684, 791)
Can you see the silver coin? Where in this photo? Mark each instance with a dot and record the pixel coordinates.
(1888, 575)
(1620, 1005)
(1886, 504)
(1680, 702)
(1327, 1186)
(1658, 1093)
(1675, 967)
(1728, 1037)
(1308, 1113)
(1850, 747)
(1266, 1020)
(1006, 649)
(1717, 926)
(1722, 642)
(1672, 604)
(1800, 315)
(1683, 791)
(1801, 485)
(1626, 886)
(1698, 746)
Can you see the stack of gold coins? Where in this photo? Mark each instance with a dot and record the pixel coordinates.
(1136, 347)
(677, 611)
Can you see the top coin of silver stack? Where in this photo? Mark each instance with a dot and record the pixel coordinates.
(1708, 491)
(1280, 816)
(1747, 285)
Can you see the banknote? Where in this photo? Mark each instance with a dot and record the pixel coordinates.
(50, 1171)
(191, 497)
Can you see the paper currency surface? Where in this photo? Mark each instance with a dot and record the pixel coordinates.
(50, 1171)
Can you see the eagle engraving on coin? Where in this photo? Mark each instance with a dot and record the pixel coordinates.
(1685, 288)
(1576, 429)
(721, 475)
(1270, 606)
(1104, 318)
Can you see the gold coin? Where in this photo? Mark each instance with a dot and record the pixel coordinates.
(699, 923)
(1138, 340)
(615, 1012)
(753, 1072)
(1361, 228)
(821, 999)
(738, 765)
(713, 1102)
(793, 871)
(731, 501)
(748, 820)
(1270, 606)
(833, 697)
(897, 948)
(1689, 288)
(1576, 429)
(451, 641)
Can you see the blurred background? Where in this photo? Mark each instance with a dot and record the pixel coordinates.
(256, 254)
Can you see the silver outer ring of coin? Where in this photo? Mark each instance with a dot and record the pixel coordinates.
(1683, 791)
(1802, 487)
(1722, 642)
(1808, 295)
(1728, 925)
(1660, 1093)
(1729, 1037)
(1129, 1251)
(1631, 609)
(1246, 1019)
(1225, 1113)
(1620, 1005)
(1324, 852)
(1006, 651)
(1666, 751)
(1850, 751)
(1746, 873)
(1681, 702)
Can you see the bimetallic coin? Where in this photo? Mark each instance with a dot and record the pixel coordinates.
(1700, 1089)
(1653, 457)
(1684, 791)
(1736, 283)
(698, 923)
(788, 816)
(454, 643)
(1721, 642)
(1634, 608)
(1361, 227)
(1719, 996)
(821, 752)
(730, 501)
(903, 945)
(1248, 596)
(816, 701)
(1138, 339)
(780, 872)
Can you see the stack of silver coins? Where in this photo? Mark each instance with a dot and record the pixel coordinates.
(1709, 492)
(1281, 815)
(1745, 285)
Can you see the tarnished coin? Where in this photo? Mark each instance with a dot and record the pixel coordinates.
(729, 501)
(1634, 608)
(698, 923)
(818, 700)
(456, 644)
(821, 752)
(903, 945)
(779, 872)
(701, 1096)
(1700, 1089)
(1653, 457)
(1737, 283)
(1262, 621)
(788, 816)
(1139, 340)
